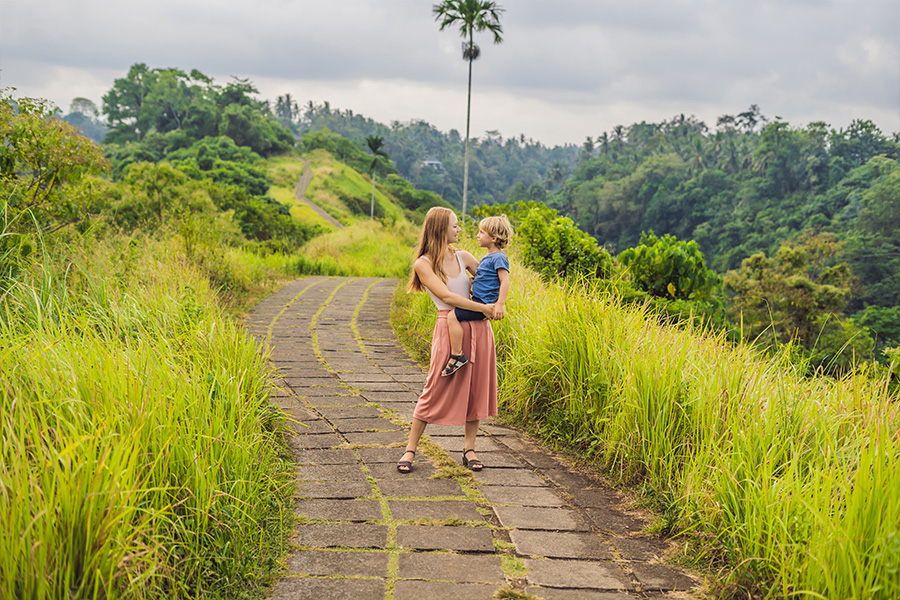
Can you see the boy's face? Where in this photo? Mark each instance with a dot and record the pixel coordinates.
(485, 239)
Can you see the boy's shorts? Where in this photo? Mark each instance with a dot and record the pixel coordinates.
(463, 314)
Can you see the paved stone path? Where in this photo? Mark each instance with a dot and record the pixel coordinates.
(527, 522)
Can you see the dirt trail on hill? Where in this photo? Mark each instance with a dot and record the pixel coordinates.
(300, 193)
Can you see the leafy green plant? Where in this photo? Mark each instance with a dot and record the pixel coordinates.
(668, 268)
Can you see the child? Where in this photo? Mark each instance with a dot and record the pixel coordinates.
(490, 285)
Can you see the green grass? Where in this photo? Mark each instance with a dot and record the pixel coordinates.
(140, 456)
(364, 249)
(780, 485)
(335, 186)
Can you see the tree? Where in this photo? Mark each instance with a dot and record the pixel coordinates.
(668, 268)
(471, 16)
(46, 166)
(798, 298)
(375, 144)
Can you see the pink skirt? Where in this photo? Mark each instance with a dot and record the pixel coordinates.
(470, 394)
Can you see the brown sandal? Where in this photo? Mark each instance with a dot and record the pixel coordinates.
(474, 464)
(405, 466)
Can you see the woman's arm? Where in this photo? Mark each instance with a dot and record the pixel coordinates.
(437, 287)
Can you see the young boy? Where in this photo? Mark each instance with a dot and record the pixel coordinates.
(490, 285)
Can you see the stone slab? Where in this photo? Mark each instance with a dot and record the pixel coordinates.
(404, 396)
(427, 488)
(421, 468)
(560, 594)
(349, 412)
(439, 537)
(552, 519)
(612, 520)
(309, 426)
(295, 588)
(455, 444)
(339, 510)
(539, 460)
(363, 425)
(451, 567)
(518, 477)
(350, 472)
(416, 379)
(521, 496)
(577, 574)
(358, 378)
(347, 535)
(319, 391)
(500, 460)
(521, 444)
(661, 577)
(377, 438)
(596, 498)
(334, 489)
(313, 441)
(404, 410)
(334, 456)
(372, 456)
(341, 400)
(560, 545)
(643, 550)
(347, 564)
(391, 386)
(439, 590)
(411, 510)
(567, 479)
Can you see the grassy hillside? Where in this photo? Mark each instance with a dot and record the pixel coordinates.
(346, 194)
(285, 171)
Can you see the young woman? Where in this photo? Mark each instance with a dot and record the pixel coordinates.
(470, 395)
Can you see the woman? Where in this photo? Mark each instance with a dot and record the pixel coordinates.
(469, 395)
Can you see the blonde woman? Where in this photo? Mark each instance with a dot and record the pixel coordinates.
(470, 396)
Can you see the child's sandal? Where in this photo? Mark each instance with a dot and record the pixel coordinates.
(456, 362)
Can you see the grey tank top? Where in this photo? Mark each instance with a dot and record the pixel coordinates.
(458, 285)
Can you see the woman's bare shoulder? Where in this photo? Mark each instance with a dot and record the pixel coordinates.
(468, 258)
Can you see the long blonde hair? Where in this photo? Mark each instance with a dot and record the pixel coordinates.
(433, 244)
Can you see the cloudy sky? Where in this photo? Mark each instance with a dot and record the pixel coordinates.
(566, 69)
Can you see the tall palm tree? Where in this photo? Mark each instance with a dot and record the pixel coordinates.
(470, 16)
(375, 144)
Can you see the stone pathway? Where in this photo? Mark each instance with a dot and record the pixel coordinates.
(527, 522)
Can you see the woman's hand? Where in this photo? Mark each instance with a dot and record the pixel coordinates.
(488, 311)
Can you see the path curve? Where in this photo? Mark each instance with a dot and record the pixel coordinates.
(300, 194)
(366, 531)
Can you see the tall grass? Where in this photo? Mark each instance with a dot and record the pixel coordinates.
(782, 485)
(139, 448)
(364, 249)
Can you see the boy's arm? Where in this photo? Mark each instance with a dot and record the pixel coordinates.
(499, 310)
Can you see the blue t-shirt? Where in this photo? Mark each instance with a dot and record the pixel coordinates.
(486, 287)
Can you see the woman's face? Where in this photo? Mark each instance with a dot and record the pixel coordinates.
(453, 230)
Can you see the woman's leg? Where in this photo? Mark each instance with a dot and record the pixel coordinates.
(470, 459)
(415, 433)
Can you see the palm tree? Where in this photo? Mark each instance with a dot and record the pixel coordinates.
(375, 144)
(471, 16)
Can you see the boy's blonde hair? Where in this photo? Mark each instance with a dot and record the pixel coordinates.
(498, 228)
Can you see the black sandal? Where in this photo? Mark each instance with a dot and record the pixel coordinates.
(405, 466)
(456, 362)
(474, 464)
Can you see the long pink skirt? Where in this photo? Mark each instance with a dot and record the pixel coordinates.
(470, 394)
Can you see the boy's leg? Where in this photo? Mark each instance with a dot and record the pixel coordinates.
(456, 333)
(457, 359)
